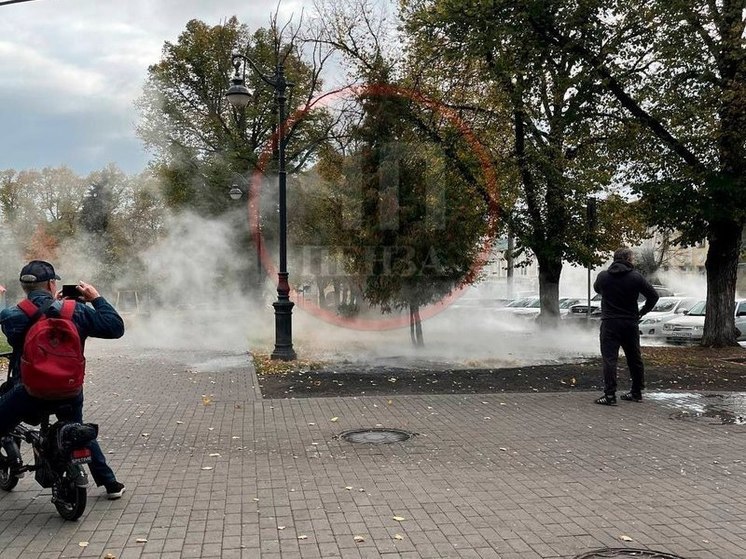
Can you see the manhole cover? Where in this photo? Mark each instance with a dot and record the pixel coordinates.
(376, 436)
(627, 552)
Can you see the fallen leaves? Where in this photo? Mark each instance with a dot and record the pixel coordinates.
(265, 365)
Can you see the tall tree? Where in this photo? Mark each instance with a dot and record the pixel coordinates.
(417, 222)
(677, 71)
(199, 141)
(558, 151)
(415, 232)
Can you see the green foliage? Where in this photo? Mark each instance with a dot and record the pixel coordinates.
(419, 224)
(674, 73)
(536, 108)
(199, 141)
(94, 226)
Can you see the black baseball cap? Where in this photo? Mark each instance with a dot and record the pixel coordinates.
(37, 271)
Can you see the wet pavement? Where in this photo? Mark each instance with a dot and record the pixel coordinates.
(212, 470)
(710, 408)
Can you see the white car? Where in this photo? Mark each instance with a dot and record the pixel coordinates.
(667, 308)
(532, 310)
(688, 329)
(518, 304)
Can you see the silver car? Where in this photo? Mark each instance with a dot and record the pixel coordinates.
(688, 329)
(667, 308)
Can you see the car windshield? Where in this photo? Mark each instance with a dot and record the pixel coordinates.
(517, 303)
(698, 309)
(662, 305)
(567, 303)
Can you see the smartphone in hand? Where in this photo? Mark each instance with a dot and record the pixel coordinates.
(70, 292)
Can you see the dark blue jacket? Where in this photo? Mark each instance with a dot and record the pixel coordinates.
(620, 286)
(100, 320)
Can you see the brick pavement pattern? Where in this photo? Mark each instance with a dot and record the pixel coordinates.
(212, 470)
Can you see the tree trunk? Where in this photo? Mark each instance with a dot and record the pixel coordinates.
(415, 326)
(320, 284)
(722, 268)
(550, 268)
(509, 263)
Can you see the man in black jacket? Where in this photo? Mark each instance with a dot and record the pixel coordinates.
(620, 287)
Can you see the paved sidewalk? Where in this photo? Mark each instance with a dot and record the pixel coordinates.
(214, 471)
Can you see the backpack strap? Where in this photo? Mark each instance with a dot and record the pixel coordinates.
(68, 308)
(32, 311)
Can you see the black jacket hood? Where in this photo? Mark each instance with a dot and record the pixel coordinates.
(620, 267)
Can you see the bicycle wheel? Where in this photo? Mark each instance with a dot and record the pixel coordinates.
(7, 480)
(69, 499)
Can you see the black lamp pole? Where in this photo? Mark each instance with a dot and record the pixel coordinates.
(239, 95)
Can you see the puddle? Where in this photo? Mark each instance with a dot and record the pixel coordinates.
(714, 409)
(223, 363)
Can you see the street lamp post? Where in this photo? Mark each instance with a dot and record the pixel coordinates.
(238, 95)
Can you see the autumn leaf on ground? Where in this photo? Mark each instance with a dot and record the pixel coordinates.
(625, 538)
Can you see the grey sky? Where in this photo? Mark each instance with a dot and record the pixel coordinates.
(71, 70)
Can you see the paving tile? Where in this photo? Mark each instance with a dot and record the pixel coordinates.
(547, 476)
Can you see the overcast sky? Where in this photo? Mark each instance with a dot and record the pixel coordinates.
(70, 71)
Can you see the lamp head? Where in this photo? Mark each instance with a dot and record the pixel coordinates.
(238, 94)
(235, 193)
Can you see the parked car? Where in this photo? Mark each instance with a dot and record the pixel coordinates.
(580, 312)
(667, 308)
(688, 329)
(517, 304)
(532, 310)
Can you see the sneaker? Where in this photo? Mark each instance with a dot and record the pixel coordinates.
(630, 397)
(607, 400)
(114, 490)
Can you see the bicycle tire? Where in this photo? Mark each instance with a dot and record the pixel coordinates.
(69, 499)
(7, 481)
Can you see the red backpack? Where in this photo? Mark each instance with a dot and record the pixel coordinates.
(52, 363)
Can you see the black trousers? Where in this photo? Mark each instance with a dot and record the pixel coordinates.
(616, 333)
